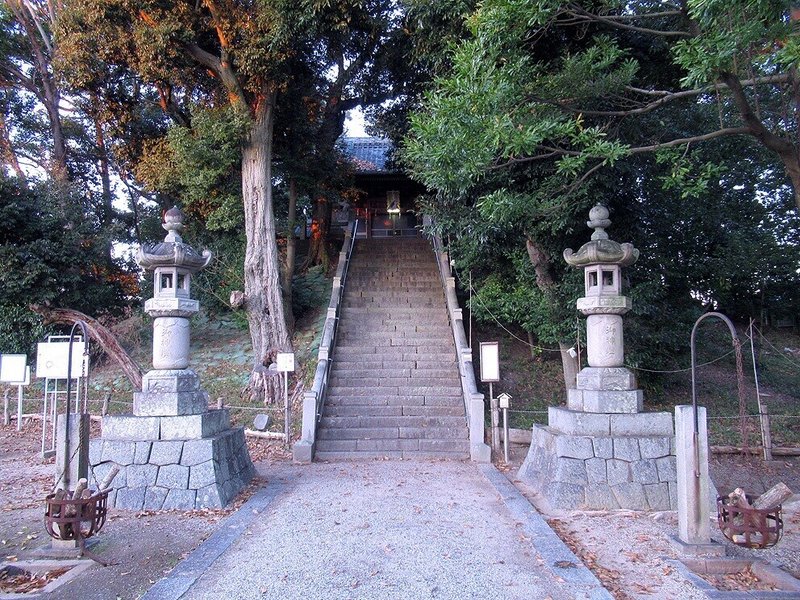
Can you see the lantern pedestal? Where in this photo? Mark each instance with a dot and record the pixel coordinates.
(173, 452)
(601, 451)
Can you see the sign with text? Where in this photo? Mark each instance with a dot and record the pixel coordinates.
(12, 368)
(52, 361)
(285, 361)
(490, 362)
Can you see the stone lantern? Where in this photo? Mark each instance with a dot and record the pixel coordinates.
(605, 385)
(171, 388)
(173, 452)
(601, 451)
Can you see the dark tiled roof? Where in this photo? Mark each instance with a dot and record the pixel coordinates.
(368, 154)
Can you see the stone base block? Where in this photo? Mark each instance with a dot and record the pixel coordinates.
(129, 427)
(594, 471)
(173, 474)
(170, 393)
(605, 401)
(606, 378)
(576, 422)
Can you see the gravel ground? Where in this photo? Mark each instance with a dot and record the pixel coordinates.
(382, 530)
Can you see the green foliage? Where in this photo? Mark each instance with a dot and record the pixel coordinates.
(53, 251)
(200, 166)
(309, 290)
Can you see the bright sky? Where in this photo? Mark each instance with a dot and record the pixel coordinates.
(354, 123)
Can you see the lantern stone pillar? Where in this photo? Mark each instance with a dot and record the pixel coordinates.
(601, 451)
(173, 451)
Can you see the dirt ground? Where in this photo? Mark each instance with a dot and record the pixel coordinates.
(628, 551)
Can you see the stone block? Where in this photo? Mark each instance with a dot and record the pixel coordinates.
(657, 496)
(180, 500)
(189, 427)
(578, 423)
(654, 447)
(154, 498)
(142, 453)
(612, 401)
(172, 380)
(603, 447)
(166, 453)
(644, 471)
(570, 470)
(568, 496)
(617, 471)
(210, 497)
(643, 424)
(596, 470)
(197, 451)
(626, 449)
(130, 498)
(667, 469)
(128, 427)
(170, 403)
(141, 475)
(673, 494)
(606, 378)
(202, 475)
(631, 495)
(574, 447)
(599, 496)
(173, 477)
(95, 451)
(118, 451)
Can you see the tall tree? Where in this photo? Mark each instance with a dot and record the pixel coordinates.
(218, 52)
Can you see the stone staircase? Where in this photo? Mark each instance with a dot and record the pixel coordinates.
(394, 389)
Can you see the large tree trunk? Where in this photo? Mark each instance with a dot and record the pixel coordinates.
(263, 297)
(291, 246)
(320, 226)
(544, 281)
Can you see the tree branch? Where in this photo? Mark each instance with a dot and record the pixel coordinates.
(612, 22)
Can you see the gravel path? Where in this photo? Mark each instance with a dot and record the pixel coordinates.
(384, 530)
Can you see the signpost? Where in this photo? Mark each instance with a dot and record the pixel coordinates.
(285, 363)
(52, 365)
(14, 370)
(490, 373)
(505, 404)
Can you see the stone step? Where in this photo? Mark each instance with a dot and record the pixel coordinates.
(356, 410)
(373, 421)
(354, 371)
(404, 400)
(388, 351)
(393, 338)
(425, 391)
(350, 362)
(410, 330)
(407, 448)
(439, 359)
(394, 433)
(327, 456)
(342, 380)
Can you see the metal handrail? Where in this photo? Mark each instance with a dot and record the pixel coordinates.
(473, 399)
(314, 399)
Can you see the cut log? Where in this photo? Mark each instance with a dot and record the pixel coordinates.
(774, 496)
(107, 340)
(109, 478)
(266, 435)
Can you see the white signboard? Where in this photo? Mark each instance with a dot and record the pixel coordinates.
(12, 368)
(490, 362)
(51, 360)
(285, 361)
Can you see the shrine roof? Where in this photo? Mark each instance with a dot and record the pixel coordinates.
(370, 155)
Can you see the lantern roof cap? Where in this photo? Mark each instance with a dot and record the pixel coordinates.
(172, 252)
(601, 249)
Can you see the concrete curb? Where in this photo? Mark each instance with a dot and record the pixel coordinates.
(558, 558)
(189, 570)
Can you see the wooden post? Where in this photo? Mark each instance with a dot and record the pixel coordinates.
(106, 400)
(766, 434)
(494, 404)
(6, 418)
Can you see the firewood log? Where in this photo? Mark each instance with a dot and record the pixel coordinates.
(774, 496)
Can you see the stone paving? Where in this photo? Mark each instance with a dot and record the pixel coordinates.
(383, 529)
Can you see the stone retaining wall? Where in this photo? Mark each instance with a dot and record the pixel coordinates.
(602, 471)
(182, 474)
